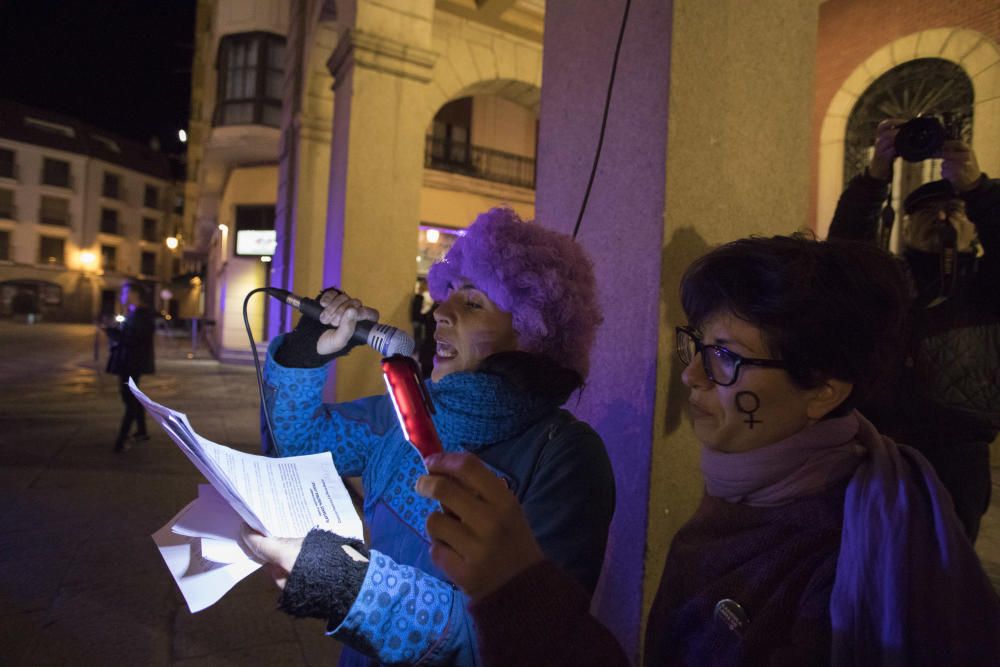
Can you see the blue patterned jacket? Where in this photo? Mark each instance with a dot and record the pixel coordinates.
(407, 611)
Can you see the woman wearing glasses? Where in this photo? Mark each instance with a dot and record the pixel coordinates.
(818, 541)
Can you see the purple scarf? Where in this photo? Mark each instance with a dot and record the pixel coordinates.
(909, 587)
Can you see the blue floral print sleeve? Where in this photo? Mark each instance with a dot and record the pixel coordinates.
(304, 425)
(404, 615)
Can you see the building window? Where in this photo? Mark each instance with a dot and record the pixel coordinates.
(921, 87)
(109, 221)
(55, 172)
(251, 66)
(109, 258)
(112, 186)
(148, 263)
(54, 211)
(7, 204)
(151, 197)
(149, 229)
(4, 245)
(254, 217)
(254, 230)
(7, 164)
(51, 250)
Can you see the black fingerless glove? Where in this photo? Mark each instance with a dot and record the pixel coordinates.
(325, 580)
(298, 349)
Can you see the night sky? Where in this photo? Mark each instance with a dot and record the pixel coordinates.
(122, 65)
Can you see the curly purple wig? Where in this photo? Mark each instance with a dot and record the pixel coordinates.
(541, 277)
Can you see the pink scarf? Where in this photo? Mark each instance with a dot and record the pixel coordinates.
(806, 463)
(909, 587)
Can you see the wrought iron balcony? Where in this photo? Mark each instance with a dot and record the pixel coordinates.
(479, 162)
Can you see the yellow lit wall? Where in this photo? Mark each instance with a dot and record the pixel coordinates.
(246, 186)
(453, 200)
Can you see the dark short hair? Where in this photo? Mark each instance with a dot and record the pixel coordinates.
(828, 309)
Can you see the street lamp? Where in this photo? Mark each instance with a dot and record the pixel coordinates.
(88, 260)
(172, 242)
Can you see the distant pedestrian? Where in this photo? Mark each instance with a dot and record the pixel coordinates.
(132, 355)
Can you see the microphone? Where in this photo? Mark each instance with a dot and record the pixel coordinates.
(384, 339)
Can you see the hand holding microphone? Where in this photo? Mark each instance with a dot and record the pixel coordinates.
(342, 313)
(350, 320)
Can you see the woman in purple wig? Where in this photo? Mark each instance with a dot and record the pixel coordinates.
(516, 318)
(818, 541)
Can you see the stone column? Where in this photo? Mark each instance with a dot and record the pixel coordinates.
(707, 141)
(381, 67)
(304, 167)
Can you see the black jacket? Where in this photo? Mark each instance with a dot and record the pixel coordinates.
(132, 351)
(946, 402)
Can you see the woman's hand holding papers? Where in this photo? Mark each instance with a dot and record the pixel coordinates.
(482, 540)
(277, 553)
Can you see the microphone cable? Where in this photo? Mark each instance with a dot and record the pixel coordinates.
(256, 363)
(604, 120)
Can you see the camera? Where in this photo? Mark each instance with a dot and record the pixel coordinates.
(921, 138)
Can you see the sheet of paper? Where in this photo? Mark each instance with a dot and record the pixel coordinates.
(210, 516)
(202, 582)
(278, 497)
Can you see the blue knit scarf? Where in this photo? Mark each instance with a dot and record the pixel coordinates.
(478, 409)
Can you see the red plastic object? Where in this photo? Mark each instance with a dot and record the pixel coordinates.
(412, 402)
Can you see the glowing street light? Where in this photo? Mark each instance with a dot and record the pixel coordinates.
(88, 259)
(182, 135)
(172, 242)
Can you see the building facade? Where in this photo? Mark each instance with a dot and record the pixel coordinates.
(261, 137)
(924, 58)
(81, 211)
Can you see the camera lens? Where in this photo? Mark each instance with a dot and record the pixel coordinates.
(919, 138)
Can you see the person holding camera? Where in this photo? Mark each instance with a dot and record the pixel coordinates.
(947, 400)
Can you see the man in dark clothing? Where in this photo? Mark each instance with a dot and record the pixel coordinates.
(132, 355)
(946, 402)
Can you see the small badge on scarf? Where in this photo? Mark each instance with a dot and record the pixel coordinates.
(730, 613)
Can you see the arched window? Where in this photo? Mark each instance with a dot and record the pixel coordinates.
(926, 86)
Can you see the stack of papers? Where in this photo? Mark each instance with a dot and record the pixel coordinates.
(277, 497)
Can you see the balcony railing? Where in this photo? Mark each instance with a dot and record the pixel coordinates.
(479, 162)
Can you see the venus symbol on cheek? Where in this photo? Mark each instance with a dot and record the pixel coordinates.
(747, 402)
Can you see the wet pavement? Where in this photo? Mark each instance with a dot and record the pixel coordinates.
(81, 582)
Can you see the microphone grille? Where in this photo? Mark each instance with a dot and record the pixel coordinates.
(388, 340)
(399, 343)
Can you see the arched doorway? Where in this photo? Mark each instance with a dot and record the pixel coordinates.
(921, 87)
(976, 54)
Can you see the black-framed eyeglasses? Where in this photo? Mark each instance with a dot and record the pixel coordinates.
(722, 366)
